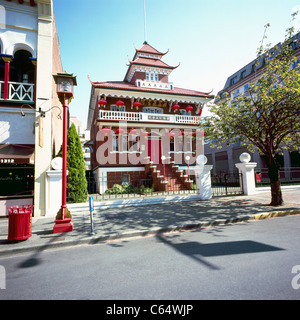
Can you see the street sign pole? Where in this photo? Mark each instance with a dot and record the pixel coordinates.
(91, 201)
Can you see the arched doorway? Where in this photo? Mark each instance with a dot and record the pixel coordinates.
(21, 67)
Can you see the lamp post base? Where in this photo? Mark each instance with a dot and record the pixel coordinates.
(62, 226)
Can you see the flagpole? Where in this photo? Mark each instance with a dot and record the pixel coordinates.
(145, 20)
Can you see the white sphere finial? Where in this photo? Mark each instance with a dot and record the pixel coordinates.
(245, 157)
(56, 163)
(201, 159)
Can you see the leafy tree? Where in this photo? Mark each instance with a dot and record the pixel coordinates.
(266, 116)
(77, 183)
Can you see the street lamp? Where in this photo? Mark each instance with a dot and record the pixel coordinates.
(65, 85)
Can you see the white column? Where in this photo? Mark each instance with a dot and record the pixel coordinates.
(203, 182)
(246, 168)
(203, 178)
(53, 192)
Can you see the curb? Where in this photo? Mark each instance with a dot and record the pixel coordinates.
(143, 233)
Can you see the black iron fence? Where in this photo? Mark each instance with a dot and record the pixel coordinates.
(287, 176)
(226, 184)
(122, 185)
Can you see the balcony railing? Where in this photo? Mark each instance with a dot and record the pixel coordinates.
(18, 91)
(147, 117)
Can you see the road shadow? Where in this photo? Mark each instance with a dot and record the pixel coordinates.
(199, 251)
(35, 260)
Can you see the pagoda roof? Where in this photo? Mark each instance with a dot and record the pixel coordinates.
(122, 85)
(147, 48)
(147, 56)
(151, 63)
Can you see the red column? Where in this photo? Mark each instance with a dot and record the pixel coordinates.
(64, 158)
(7, 61)
(64, 224)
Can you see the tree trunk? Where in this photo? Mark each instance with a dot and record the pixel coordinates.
(274, 175)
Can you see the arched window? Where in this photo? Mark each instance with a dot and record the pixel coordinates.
(21, 68)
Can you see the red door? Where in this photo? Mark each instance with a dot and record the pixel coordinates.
(154, 149)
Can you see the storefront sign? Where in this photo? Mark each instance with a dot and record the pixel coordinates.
(161, 118)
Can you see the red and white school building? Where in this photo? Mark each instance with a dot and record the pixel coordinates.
(144, 128)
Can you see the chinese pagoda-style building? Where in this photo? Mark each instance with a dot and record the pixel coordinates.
(144, 129)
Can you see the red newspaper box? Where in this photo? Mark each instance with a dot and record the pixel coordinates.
(19, 222)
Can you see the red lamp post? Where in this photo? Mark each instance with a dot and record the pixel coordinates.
(65, 84)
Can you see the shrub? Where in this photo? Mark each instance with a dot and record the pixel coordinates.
(127, 188)
(122, 189)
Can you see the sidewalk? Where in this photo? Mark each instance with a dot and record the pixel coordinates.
(142, 220)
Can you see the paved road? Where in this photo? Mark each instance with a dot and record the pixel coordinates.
(249, 260)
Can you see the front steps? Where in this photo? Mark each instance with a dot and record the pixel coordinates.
(174, 179)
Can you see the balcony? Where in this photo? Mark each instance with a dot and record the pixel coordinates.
(18, 91)
(147, 117)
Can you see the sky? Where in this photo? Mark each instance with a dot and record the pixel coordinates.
(211, 39)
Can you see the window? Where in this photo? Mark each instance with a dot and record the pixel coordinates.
(188, 144)
(115, 143)
(125, 178)
(235, 93)
(124, 142)
(246, 87)
(151, 76)
(233, 80)
(243, 74)
(182, 111)
(134, 143)
(113, 107)
(172, 148)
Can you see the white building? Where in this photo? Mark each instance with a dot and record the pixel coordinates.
(30, 123)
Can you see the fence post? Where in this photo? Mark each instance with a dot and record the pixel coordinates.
(203, 178)
(246, 169)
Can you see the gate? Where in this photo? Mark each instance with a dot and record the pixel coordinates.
(224, 184)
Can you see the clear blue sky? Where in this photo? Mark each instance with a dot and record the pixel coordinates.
(210, 38)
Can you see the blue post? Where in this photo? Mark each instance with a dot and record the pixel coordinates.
(91, 201)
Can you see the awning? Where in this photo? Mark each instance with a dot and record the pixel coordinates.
(16, 153)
